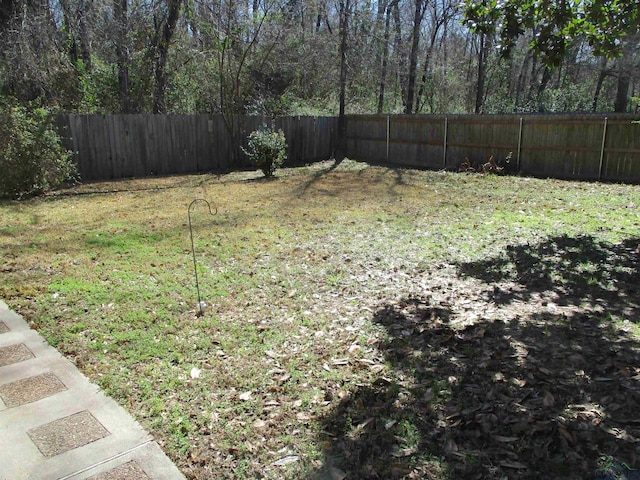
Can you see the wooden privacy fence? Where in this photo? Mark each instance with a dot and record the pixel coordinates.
(571, 146)
(118, 146)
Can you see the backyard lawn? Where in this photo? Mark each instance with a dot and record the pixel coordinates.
(361, 321)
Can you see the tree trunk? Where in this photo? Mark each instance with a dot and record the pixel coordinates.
(385, 57)
(626, 66)
(381, 36)
(122, 54)
(522, 80)
(603, 74)
(622, 93)
(84, 34)
(397, 43)
(69, 31)
(77, 32)
(482, 73)
(546, 76)
(413, 56)
(427, 63)
(345, 7)
(162, 51)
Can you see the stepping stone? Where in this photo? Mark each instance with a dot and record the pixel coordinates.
(4, 328)
(128, 471)
(14, 354)
(67, 433)
(30, 389)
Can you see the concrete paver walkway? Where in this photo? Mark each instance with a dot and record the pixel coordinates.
(55, 424)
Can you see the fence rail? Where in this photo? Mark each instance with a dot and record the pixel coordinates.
(119, 146)
(579, 146)
(572, 146)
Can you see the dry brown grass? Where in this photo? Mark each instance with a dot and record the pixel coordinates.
(350, 312)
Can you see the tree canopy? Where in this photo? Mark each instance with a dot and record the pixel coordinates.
(556, 24)
(297, 57)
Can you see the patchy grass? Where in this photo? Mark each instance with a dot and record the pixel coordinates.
(373, 322)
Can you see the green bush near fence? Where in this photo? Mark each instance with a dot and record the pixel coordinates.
(267, 148)
(32, 159)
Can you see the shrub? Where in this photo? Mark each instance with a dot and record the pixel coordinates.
(267, 148)
(32, 158)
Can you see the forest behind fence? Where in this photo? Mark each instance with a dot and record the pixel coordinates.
(569, 146)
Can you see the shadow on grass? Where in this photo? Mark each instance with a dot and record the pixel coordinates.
(540, 395)
(575, 270)
(316, 177)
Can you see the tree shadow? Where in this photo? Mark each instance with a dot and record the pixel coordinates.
(543, 394)
(316, 177)
(575, 271)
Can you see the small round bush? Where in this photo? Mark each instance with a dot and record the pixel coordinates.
(266, 148)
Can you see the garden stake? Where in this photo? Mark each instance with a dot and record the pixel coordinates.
(193, 249)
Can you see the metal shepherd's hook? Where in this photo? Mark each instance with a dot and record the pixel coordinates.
(193, 249)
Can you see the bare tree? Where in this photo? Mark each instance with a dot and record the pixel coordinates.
(165, 28)
(385, 55)
(418, 15)
(345, 13)
(120, 40)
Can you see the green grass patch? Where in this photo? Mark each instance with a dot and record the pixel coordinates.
(360, 320)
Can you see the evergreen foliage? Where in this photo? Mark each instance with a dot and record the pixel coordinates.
(267, 148)
(32, 158)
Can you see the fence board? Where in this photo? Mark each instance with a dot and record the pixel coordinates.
(117, 146)
(561, 146)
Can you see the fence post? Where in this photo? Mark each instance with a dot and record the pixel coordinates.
(388, 135)
(519, 147)
(604, 139)
(444, 150)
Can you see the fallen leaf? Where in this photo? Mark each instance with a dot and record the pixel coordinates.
(245, 396)
(402, 452)
(366, 361)
(340, 361)
(365, 423)
(500, 438)
(565, 433)
(428, 395)
(286, 460)
(260, 424)
(511, 464)
(518, 382)
(450, 446)
(498, 377)
(548, 399)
